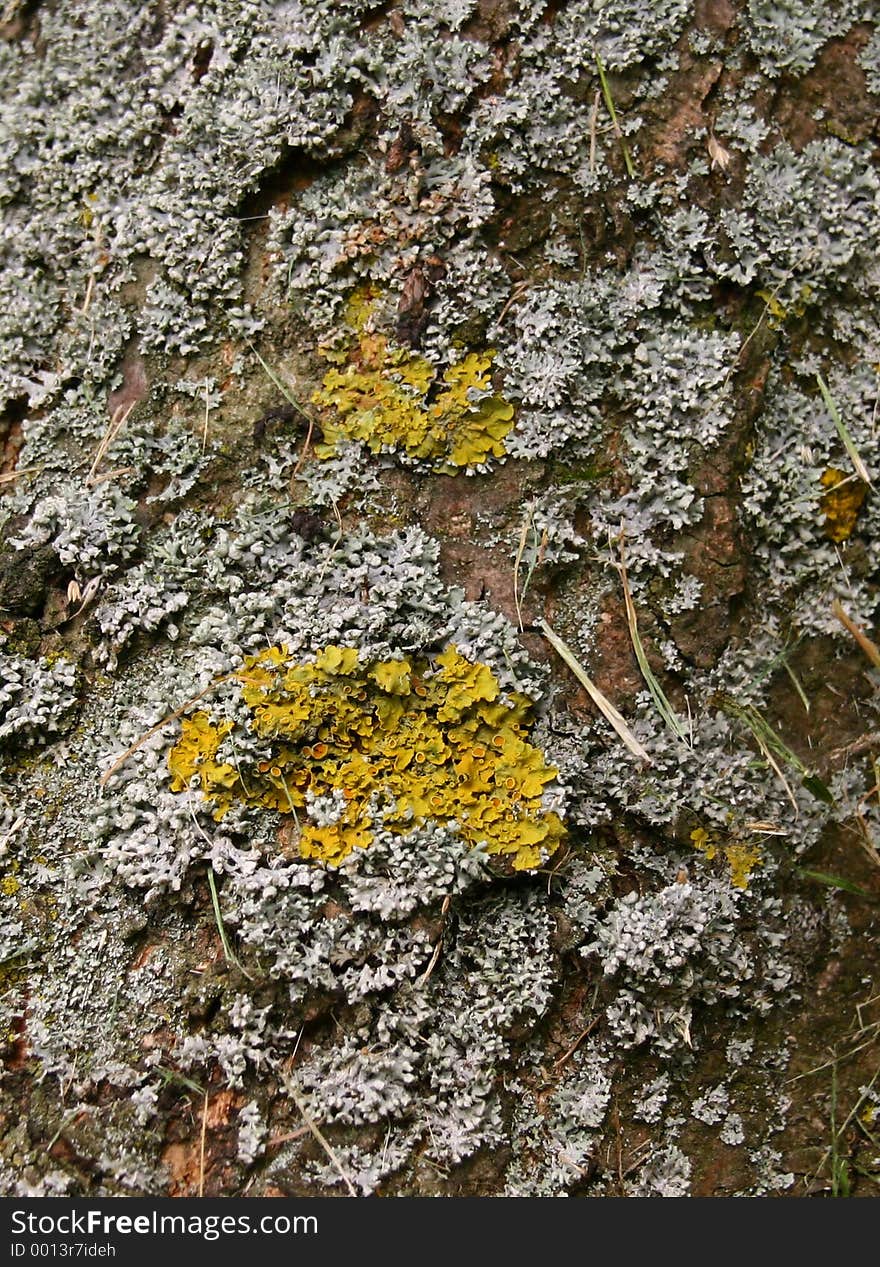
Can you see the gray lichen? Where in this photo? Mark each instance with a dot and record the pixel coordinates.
(661, 320)
(36, 695)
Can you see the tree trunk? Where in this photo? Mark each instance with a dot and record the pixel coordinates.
(439, 743)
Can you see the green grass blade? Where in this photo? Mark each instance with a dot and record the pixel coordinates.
(834, 882)
(280, 384)
(609, 105)
(664, 708)
(228, 952)
(860, 469)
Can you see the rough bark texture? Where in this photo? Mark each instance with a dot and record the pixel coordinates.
(459, 351)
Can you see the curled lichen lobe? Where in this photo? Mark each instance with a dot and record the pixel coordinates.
(355, 745)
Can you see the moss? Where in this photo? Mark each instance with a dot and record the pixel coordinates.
(579, 473)
(389, 399)
(358, 745)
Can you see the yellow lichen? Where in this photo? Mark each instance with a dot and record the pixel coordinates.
(398, 742)
(778, 313)
(391, 399)
(841, 503)
(741, 857)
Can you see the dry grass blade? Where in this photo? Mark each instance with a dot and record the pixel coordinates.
(288, 395)
(865, 839)
(521, 548)
(290, 1088)
(777, 770)
(117, 422)
(871, 650)
(87, 301)
(154, 730)
(765, 829)
(207, 415)
(664, 708)
(604, 705)
(772, 746)
(9, 476)
(866, 1034)
(202, 1146)
(19, 823)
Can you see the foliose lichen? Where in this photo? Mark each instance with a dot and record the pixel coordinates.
(392, 742)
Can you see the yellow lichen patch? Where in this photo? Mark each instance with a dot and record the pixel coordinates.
(841, 503)
(195, 753)
(390, 399)
(778, 313)
(742, 858)
(380, 744)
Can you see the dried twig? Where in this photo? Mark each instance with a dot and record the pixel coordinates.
(438, 946)
(154, 730)
(518, 291)
(863, 744)
(277, 1140)
(290, 1088)
(304, 452)
(8, 476)
(871, 650)
(557, 1065)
